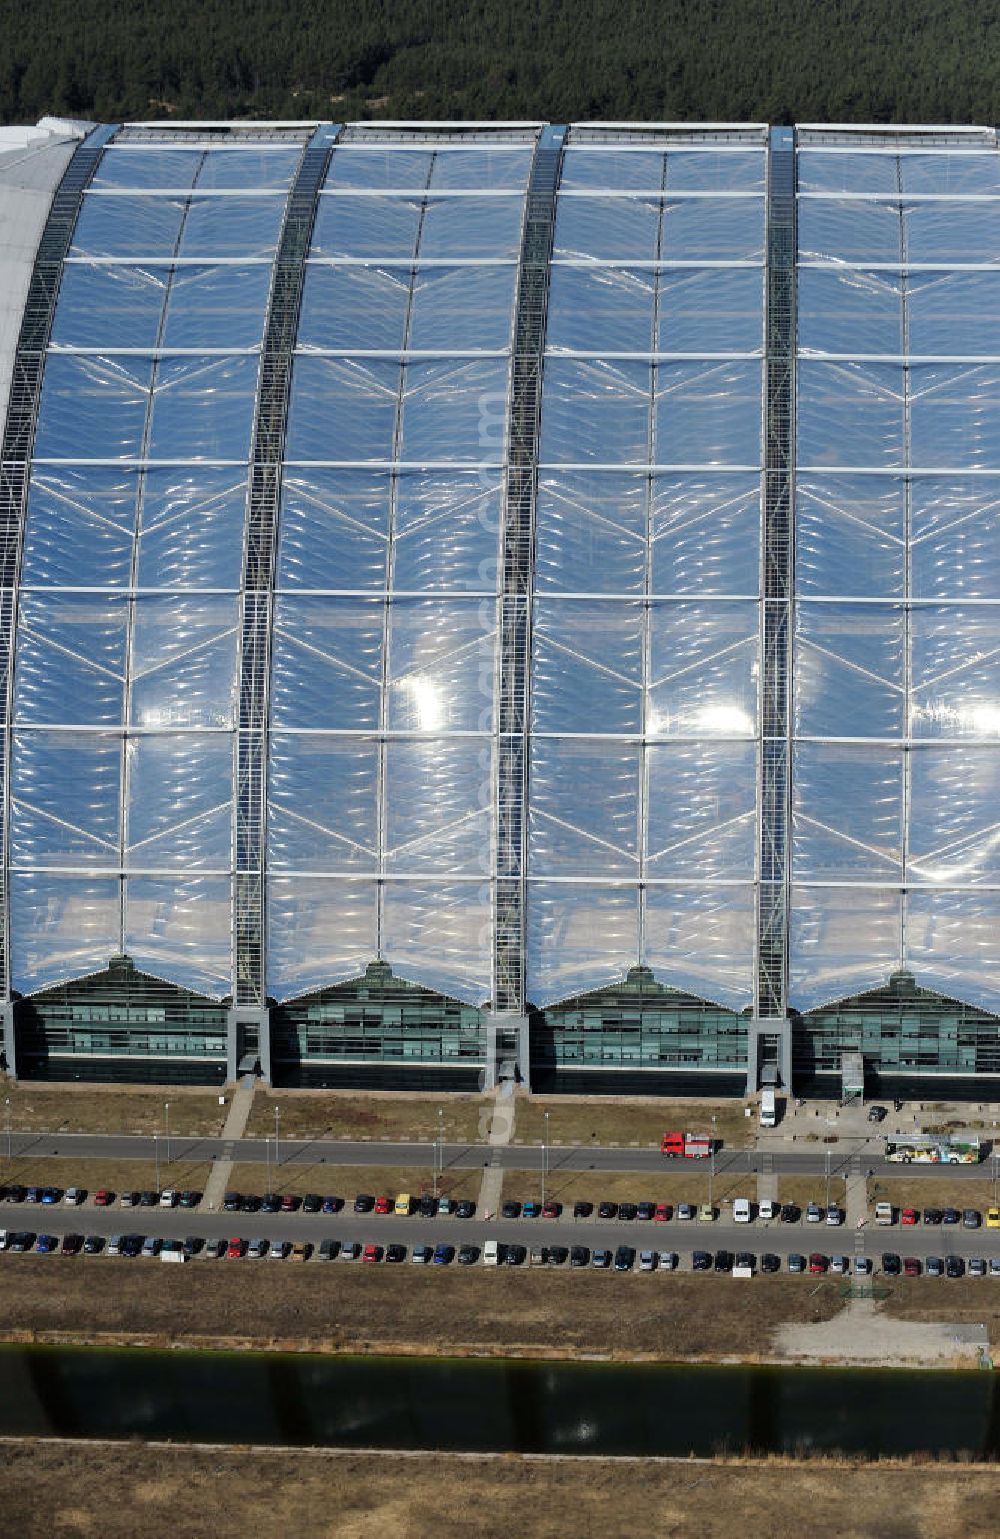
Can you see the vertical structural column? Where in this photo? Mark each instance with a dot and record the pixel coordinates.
(516, 559)
(248, 1027)
(770, 999)
(15, 469)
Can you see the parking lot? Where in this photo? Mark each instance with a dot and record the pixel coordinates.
(616, 1235)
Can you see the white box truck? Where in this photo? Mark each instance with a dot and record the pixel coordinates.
(768, 1108)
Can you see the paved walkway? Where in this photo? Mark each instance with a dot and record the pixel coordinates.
(500, 1132)
(862, 1334)
(236, 1125)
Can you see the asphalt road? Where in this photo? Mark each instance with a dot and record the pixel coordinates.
(682, 1238)
(470, 1156)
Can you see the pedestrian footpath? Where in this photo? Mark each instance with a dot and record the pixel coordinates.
(236, 1124)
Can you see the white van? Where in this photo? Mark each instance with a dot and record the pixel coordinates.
(742, 1212)
(491, 1253)
(768, 1109)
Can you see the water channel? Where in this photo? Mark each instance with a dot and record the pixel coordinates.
(426, 1403)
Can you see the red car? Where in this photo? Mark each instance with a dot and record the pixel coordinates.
(373, 1253)
(552, 1210)
(234, 1250)
(290, 1204)
(103, 1199)
(663, 1213)
(911, 1266)
(817, 1263)
(908, 1216)
(382, 1205)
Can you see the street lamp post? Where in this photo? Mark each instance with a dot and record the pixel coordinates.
(277, 1125)
(166, 1121)
(156, 1156)
(711, 1172)
(8, 1131)
(439, 1151)
(828, 1178)
(545, 1154)
(267, 1162)
(996, 1163)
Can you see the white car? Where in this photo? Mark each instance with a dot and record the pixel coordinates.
(647, 1261)
(668, 1261)
(168, 1198)
(767, 1209)
(72, 1196)
(862, 1266)
(279, 1250)
(834, 1215)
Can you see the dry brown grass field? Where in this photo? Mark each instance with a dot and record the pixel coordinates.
(106, 1491)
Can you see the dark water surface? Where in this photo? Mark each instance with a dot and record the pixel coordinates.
(420, 1403)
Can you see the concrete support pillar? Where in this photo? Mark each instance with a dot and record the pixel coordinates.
(507, 1040)
(782, 1029)
(9, 1045)
(248, 1035)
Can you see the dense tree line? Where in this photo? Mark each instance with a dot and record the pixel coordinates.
(767, 60)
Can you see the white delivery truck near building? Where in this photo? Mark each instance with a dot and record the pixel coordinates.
(768, 1108)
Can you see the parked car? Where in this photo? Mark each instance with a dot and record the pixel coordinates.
(73, 1196)
(662, 1213)
(466, 1208)
(769, 1262)
(908, 1216)
(510, 1208)
(350, 1250)
(149, 1199)
(624, 1258)
(971, 1218)
(932, 1215)
(443, 1253)
(364, 1202)
(420, 1254)
(954, 1266)
(169, 1198)
(862, 1266)
(891, 1264)
(394, 1254)
(468, 1255)
(768, 1209)
(814, 1214)
(551, 1209)
(427, 1206)
(558, 1255)
(103, 1198)
(817, 1262)
(373, 1253)
(236, 1249)
(644, 1211)
(257, 1249)
(582, 1209)
(151, 1246)
(950, 1216)
(579, 1255)
(231, 1202)
(685, 1211)
(329, 1249)
(839, 1265)
(383, 1205)
(934, 1266)
(723, 1261)
(270, 1202)
(911, 1266)
(290, 1203)
(607, 1210)
(312, 1202)
(332, 1204)
(876, 1113)
(706, 1213)
(514, 1255)
(628, 1211)
(977, 1266)
(834, 1215)
(189, 1199)
(93, 1245)
(701, 1261)
(600, 1257)
(667, 1261)
(531, 1209)
(790, 1213)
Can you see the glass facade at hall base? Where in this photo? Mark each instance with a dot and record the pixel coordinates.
(349, 693)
